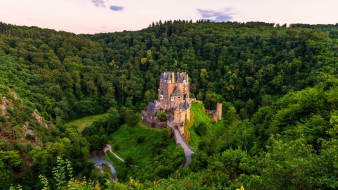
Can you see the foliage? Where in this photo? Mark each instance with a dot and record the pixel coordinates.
(201, 129)
(9, 161)
(161, 116)
(277, 85)
(126, 139)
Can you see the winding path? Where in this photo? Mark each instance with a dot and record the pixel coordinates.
(179, 141)
(187, 150)
(108, 147)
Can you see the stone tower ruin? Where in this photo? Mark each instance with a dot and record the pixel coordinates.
(219, 111)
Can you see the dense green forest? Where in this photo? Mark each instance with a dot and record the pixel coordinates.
(278, 86)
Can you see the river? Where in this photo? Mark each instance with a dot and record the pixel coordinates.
(97, 156)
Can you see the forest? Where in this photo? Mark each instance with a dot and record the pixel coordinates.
(277, 85)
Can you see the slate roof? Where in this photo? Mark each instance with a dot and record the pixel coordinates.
(153, 106)
(179, 77)
(166, 76)
(184, 106)
(177, 92)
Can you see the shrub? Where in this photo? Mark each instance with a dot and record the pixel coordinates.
(116, 147)
(140, 140)
(161, 116)
(129, 161)
(201, 129)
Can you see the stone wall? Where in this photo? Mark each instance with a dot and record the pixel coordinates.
(154, 123)
(216, 115)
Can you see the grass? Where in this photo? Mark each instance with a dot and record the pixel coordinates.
(126, 139)
(85, 121)
(117, 164)
(198, 115)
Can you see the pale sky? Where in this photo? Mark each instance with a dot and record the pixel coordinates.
(95, 16)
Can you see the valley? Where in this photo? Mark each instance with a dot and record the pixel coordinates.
(256, 103)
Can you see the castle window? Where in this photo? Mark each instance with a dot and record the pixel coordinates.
(172, 99)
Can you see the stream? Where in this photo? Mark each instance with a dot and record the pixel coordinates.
(97, 156)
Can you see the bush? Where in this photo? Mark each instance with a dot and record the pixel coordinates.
(165, 135)
(128, 116)
(116, 147)
(161, 116)
(30, 137)
(201, 129)
(139, 140)
(129, 161)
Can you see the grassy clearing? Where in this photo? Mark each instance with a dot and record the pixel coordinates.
(85, 121)
(126, 140)
(198, 115)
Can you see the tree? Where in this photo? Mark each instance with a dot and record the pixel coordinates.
(161, 116)
(95, 142)
(131, 118)
(9, 161)
(165, 135)
(113, 120)
(211, 99)
(149, 96)
(201, 129)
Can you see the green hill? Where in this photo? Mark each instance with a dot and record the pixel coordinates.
(198, 115)
(277, 85)
(137, 142)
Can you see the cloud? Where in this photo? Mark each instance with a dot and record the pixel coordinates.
(98, 3)
(216, 16)
(116, 8)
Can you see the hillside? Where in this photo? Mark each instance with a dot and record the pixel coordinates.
(83, 122)
(20, 121)
(200, 116)
(277, 85)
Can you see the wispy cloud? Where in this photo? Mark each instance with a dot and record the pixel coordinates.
(116, 8)
(216, 16)
(98, 3)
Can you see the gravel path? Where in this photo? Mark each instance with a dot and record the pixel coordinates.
(187, 150)
(179, 141)
(108, 147)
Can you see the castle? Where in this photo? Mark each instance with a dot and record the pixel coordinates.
(173, 100)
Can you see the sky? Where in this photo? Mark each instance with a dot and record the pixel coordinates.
(95, 16)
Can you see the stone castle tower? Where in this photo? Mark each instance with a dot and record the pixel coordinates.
(173, 99)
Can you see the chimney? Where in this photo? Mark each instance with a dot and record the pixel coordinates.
(173, 77)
